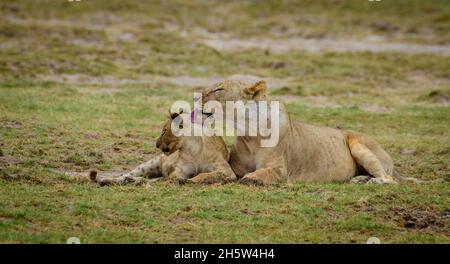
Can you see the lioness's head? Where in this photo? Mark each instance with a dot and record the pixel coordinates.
(231, 90)
(167, 142)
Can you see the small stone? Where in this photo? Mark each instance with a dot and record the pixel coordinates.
(409, 224)
(407, 152)
(93, 175)
(14, 124)
(339, 126)
(280, 64)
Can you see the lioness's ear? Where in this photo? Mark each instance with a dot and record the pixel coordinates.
(256, 90)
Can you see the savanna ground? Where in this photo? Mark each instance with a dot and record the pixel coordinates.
(88, 85)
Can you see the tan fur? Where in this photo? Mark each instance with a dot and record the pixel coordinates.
(188, 159)
(305, 152)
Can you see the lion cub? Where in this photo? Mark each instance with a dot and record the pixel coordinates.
(192, 159)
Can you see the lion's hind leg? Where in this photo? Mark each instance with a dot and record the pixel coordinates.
(114, 180)
(367, 159)
(149, 169)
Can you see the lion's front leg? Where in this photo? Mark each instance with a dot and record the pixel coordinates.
(181, 173)
(222, 174)
(169, 164)
(271, 171)
(264, 176)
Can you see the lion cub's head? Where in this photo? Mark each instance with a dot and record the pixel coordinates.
(167, 142)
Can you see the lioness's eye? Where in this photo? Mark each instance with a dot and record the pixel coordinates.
(213, 91)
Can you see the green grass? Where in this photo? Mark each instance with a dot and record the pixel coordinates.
(77, 93)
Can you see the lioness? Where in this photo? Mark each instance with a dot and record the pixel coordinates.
(192, 159)
(304, 152)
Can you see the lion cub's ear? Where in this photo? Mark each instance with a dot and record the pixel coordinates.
(256, 90)
(175, 114)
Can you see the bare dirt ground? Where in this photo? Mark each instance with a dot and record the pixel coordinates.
(373, 44)
(182, 81)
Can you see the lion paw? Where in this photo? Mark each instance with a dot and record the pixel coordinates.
(251, 181)
(360, 179)
(184, 181)
(381, 181)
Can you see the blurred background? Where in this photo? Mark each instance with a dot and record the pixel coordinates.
(129, 39)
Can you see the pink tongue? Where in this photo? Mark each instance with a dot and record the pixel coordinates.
(193, 116)
(196, 114)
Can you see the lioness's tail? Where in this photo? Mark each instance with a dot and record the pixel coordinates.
(400, 178)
